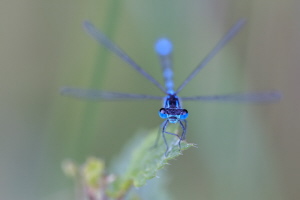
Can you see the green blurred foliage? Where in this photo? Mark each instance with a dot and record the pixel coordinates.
(245, 152)
(138, 163)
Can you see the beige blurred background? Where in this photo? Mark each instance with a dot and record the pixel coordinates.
(245, 151)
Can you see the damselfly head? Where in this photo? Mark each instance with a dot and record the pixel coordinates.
(173, 115)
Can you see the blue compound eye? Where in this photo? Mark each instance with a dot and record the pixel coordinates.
(184, 114)
(162, 113)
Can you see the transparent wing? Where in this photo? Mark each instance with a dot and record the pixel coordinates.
(102, 39)
(260, 97)
(103, 95)
(229, 35)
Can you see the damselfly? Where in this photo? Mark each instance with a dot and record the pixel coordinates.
(172, 110)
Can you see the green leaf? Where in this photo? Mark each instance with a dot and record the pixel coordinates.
(145, 161)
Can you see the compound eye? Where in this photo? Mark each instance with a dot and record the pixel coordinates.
(184, 114)
(162, 113)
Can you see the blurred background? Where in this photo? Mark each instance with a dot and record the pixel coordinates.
(244, 151)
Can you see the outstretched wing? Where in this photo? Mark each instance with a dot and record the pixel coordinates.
(259, 97)
(103, 95)
(229, 35)
(102, 39)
